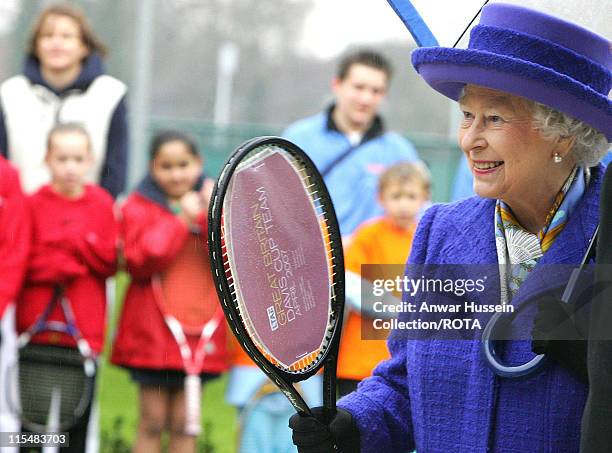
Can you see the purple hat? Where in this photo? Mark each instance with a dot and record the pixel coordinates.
(529, 54)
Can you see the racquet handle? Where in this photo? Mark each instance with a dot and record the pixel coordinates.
(193, 392)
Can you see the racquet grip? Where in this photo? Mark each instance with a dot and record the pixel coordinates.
(193, 392)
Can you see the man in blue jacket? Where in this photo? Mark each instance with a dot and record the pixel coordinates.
(348, 142)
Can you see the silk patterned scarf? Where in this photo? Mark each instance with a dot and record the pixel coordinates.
(518, 250)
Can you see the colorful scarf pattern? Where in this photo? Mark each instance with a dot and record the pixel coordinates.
(518, 250)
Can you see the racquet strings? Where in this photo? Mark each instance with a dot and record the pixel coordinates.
(311, 360)
(42, 369)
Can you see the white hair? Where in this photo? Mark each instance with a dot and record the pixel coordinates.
(590, 145)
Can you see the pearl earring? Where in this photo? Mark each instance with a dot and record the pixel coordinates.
(557, 159)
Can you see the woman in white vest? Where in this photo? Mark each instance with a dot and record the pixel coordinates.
(64, 81)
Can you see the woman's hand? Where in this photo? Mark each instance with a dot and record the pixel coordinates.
(311, 435)
(555, 334)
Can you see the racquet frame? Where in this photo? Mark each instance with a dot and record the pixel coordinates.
(328, 358)
(42, 324)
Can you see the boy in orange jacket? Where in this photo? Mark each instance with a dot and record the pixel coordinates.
(403, 190)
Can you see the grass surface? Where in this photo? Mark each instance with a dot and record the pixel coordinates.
(119, 414)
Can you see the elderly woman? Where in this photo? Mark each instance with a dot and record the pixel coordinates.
(536, 120)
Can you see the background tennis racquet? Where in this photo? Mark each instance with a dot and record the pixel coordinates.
(277, 261)
(259, 420)
(54, 384)
(185, 295)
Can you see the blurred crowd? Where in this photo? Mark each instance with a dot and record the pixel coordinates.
(64, 235)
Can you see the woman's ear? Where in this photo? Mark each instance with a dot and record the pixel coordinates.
(565, 145)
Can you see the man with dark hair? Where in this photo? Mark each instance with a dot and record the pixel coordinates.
(348, 142)
(366, 58)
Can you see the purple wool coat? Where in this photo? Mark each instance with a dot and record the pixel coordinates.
(439, 396)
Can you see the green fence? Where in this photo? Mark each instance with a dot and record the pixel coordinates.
(217, 142)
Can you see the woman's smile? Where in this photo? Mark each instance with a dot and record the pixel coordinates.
(484, 167)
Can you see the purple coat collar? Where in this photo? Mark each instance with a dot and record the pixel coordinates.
(578, 232)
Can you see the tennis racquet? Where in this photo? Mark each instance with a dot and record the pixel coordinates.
(277, 262)
(54, 384)
(185, 295)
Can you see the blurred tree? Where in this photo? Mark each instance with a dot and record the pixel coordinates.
(14, 41)
(113, 21)
(412, 105)
(265, 31)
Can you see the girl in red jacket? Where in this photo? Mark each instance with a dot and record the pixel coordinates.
(14, 234)
(74, 238)
(159, 224)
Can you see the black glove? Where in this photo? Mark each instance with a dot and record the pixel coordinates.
(557, 334)
(311, 435)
